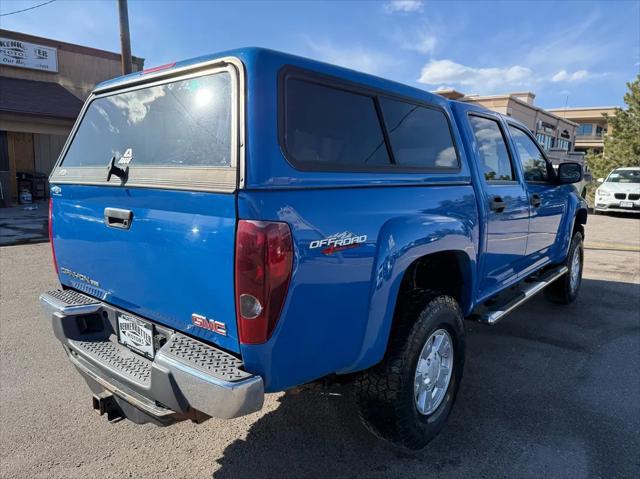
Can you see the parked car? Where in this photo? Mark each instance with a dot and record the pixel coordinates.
(619, 192)
(252, 221)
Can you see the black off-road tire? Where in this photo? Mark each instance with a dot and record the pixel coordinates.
(562, 291)
(385, 393)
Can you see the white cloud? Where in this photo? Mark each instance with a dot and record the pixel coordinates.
(482, 79)
(354, 57)
(403, 6)
(420, 40)
(564, 76)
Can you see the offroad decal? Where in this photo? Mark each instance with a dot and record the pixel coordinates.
(338, 242)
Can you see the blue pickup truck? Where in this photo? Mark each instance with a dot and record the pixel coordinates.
(252, 221)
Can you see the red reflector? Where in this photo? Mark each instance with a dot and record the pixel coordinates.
(264, 258)
(158, 68)
(53, 250)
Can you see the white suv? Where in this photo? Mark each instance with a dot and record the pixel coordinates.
(619, 192)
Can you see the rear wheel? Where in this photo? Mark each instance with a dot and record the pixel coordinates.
(407, 398)
(565, 289)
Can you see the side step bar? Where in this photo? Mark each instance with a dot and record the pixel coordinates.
(492, 316)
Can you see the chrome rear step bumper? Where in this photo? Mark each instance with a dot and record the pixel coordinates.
(187, 379)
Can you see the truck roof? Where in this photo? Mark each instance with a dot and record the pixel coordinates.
(252, 56)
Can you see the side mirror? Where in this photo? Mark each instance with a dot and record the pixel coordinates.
(569, 173)
(600, 180)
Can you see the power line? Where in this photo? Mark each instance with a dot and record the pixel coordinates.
(27, 9)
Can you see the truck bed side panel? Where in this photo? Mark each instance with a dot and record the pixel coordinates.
(326, 325)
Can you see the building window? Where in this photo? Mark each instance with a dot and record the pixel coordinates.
(546, 141)
(563, 144)
(599, 130)
(584, 130)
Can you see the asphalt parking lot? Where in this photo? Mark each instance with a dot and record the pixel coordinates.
(551, 391)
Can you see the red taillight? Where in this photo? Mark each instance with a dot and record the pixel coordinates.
(53, 250)
(264, 258)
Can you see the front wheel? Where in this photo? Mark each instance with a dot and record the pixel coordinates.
(407, 398)
(565, 289)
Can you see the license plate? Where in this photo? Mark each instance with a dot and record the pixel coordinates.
(626, 204)
(136, 334)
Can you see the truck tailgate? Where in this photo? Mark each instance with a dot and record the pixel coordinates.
(175, 260)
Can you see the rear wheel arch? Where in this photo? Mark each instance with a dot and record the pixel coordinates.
(448, 272)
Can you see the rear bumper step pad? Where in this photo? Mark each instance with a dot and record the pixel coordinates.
(184, 376)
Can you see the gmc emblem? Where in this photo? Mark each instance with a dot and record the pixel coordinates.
(215, 326)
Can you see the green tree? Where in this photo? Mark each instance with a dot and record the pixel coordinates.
(622, 145)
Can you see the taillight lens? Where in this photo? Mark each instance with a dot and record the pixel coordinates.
(264, 258)
(53, 250)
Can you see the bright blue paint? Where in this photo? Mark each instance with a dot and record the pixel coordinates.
(339, 309)
(177, 258)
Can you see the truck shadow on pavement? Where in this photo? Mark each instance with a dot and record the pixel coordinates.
(550, 391)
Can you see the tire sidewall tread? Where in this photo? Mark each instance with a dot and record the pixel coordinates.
(385, 393)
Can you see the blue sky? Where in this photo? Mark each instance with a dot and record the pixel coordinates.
(585, 51)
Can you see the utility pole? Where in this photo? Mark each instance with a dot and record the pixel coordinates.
(125, 40)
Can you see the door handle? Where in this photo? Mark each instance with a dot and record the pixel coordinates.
(497, 204)
(118, 218)
(536, 200)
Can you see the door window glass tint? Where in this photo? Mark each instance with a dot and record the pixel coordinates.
(494, 156)
(329, 128)
(534, 166)
(183, 123)
(420, 137)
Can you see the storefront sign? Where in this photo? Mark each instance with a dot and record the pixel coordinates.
(16, 53)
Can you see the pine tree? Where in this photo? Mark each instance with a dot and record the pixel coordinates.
(622, 145)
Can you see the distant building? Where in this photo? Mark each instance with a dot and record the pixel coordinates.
(557, 135)
(43, 84)
(592, 125)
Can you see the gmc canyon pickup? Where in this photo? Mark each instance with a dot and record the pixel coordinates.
(252, 221)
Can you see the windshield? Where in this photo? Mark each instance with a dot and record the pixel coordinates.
(624, 176)
(183, 123)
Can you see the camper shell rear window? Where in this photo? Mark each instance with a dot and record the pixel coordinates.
(177, 132)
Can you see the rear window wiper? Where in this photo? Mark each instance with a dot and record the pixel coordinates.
(113, 169)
